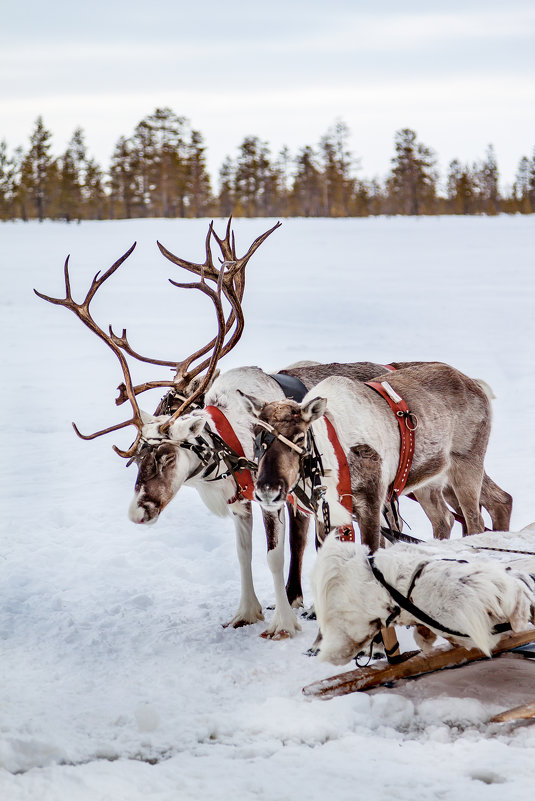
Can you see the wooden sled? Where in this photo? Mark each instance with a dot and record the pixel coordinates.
(440, 658)
(523, 712)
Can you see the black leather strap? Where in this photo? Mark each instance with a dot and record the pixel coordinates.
(292, 387)
(406, 604)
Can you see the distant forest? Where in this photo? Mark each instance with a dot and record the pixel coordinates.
(160, 171)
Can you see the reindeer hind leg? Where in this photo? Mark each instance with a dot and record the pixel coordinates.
(466, 477)
(497, 502)
(432, 502)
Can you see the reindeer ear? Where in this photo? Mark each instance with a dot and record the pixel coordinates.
(197, 426)
(313, 409)
(146, 417)
(195, 382)
(187, 428)
(253, 405)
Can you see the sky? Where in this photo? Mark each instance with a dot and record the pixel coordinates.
(460, 73)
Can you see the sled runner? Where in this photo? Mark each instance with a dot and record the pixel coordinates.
(440, 658)
(523, 712)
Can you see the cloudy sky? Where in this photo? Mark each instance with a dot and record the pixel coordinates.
(461, 73)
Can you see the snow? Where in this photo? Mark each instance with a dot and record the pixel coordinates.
(118, 680)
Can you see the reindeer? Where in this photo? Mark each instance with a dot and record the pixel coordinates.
(453, 417)
(464, 590)
(173, 447)
(432, 498)
(177, 446)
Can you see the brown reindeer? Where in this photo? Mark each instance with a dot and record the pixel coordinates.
(453, 413)
(434, 499)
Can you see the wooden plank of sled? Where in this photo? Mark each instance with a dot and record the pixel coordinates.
(523, 712)
(444, 657)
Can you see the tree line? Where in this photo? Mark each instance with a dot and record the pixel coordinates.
(161, 171)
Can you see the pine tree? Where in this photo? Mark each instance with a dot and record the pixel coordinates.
(72, 176)
(95, 198)
(337, 160)
(198, 189)
(226, 200)
(521, 186)
(307, 196)
(487, 181)
(412, 182)
(281, 170)
(253, 178)
(37, 171)
(461, 189)
(159, 164)
(122, 184)
(7, 184)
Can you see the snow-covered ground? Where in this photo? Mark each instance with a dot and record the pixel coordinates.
(117, 679)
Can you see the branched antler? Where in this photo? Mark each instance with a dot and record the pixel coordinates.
(233, 287)
(81, 310)
(230, 283)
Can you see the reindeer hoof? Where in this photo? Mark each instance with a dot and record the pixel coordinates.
(277, 635)
(239, 622)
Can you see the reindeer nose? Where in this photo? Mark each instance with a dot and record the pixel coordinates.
(144, 511)
(270, 494)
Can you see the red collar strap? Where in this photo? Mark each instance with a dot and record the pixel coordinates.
(389, 367)
(407, 422)
(244, 479)
(343, 533)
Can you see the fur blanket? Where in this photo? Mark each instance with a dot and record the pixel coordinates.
(467, 586)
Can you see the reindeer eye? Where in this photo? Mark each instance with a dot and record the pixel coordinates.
(299, 438)
(167, 460)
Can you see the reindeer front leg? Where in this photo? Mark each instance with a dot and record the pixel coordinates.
(298, 540)
(369, 492)
(249, 609)
(283, 623)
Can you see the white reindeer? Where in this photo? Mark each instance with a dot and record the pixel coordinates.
(463, 590)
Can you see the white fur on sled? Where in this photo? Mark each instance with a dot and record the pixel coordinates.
(469, 596)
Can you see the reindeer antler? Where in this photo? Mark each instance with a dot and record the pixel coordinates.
(81, 310)
(230, 280)
(233, 285)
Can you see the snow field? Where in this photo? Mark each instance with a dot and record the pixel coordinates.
(118, 680)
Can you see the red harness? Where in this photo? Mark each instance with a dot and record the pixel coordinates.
(407, 424)
(345, 533)
(244, 479)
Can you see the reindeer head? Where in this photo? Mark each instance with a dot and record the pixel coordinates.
(165, 462)
(162, 448)
(348, 602)
(281, 452)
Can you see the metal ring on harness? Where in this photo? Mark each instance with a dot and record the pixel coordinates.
(409, 416)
